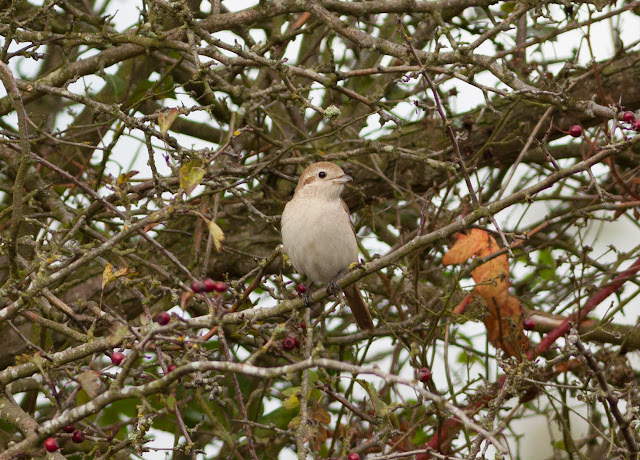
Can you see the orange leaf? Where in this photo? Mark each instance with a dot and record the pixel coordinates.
(504, 325)
(466, 247)
(504, 321)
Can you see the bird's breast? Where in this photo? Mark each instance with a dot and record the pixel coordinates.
(318, 238)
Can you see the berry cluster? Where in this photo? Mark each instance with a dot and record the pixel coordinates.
(630, 118)
(208, 285)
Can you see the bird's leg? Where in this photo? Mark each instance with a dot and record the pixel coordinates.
(332, 287)
(308, 301)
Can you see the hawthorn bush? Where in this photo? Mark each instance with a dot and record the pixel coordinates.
(147, 150)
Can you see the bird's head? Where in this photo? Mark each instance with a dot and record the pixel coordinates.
(324, 180)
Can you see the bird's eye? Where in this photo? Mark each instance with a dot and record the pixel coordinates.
(322, 174)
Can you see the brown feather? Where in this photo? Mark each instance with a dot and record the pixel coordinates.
(358, 307)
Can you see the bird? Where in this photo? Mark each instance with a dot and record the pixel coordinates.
(317, 233)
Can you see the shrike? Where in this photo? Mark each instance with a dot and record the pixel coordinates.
(317, 233)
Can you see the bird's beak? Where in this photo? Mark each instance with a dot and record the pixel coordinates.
(343, 179)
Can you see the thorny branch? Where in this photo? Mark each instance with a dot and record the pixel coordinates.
(140, 156)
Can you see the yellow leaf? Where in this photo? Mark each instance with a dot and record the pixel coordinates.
(106, 275)
(216, 233)
(124, 178)
(109, 275)
(191, 173)
(171, 402)
(292, 402)
(166, 119)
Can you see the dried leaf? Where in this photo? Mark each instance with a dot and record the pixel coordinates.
(166, 119)
(216, 233)
(504, 321)
(466, 247)
(124, 178)
(108, 275)
(318, 414)
(185, 298)
(191, 173)
(117, 334)
(90, 382)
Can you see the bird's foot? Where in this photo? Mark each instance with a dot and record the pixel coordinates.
(332, 287)
(308, 301)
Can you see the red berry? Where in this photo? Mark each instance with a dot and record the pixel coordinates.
(303, 326)
(209, 285)
(628, 117)
(197, 286)
(78, 437)
(219, 286)
(528, 324)
(288, 343)
(69, 428)
(117, 358)
(301, 288)
(171, 368)
(636, 125)
(353, 456)
(162, 318)
(50, 444)
(423, 374)
(575, 131)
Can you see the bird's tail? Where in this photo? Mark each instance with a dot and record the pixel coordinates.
(358, 307)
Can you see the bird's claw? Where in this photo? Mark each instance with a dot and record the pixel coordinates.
(308, 301)
(332, 287)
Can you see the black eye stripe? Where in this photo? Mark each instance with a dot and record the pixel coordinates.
(322, 174)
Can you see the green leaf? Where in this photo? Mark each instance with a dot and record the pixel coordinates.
(280, 417)
(559, 445)
(508, 7)
(545, 258)
(117, 84)
(380, 408)
(118, 411)
(171, 402)
(292, 401)
(419, 438)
